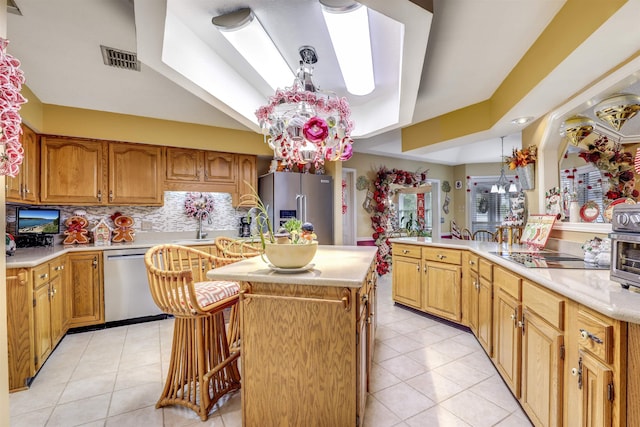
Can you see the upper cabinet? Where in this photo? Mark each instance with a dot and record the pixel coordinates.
(198, 170)
(135, 174)
(24, 187)
(88, 172)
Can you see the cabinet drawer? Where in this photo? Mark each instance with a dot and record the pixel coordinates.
(40, 275)
(411, 251)
(508, 281)
(450, 256)
(595, 335)
(547, 305)
(56, 268)
(486, 269)
(473, 261)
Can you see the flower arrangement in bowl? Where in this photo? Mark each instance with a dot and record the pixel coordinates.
(292, 247)
(522, 158)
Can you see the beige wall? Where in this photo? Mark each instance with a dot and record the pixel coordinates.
(368, 165)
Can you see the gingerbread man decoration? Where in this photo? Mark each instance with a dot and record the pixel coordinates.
(76, 230)
(123, 231)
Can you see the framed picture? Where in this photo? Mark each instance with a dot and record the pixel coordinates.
(537, 230)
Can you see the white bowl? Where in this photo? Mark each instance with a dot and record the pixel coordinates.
(290, 256)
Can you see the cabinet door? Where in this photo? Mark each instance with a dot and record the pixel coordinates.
(220, 167)
(442, 290)
(507, 339)
(361, 364)
(247, 175)
(24, 187)
(42, 324)
(19, 328)
(135, 174)
(406, 281)
(473, 289)
(72, 171)
(85, 278)
(56, 292)
(542, 369)
(183, 165)
(485, 315)
(595, 380)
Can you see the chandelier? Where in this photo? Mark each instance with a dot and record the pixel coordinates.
(304, 125)
(501, 186)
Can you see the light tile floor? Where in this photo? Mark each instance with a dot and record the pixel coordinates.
(426, 373)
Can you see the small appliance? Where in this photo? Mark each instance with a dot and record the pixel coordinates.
(625, 245)
(245, 226)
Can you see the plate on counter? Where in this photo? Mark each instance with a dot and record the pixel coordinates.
(291, 270)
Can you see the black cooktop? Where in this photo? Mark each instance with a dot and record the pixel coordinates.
(548, 260)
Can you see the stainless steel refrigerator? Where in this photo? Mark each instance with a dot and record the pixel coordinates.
(307, 197)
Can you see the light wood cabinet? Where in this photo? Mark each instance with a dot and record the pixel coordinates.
(596, 361)
(200, 170)
(543, 317)
(135, 174)
(87, 172)
(19, 328)
(87, 294)
(319, 348)
(23, 188)
(485, 306)
(48, 308)
(506, 327)
(72, 171)
(429, 279)
(407, 276)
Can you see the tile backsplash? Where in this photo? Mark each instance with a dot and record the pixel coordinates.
(171, 217)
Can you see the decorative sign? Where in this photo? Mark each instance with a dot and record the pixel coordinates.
(537, 230)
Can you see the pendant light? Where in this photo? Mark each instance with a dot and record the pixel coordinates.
(500, 187)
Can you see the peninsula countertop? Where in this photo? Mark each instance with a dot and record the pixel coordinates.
(592, 288)
(339, 266)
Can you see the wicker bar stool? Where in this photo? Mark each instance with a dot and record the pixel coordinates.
(204, 352)
(234, 248)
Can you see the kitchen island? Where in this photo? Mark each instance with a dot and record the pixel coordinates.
(307, 338)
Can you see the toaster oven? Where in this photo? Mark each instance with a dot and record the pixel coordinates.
(625, 245)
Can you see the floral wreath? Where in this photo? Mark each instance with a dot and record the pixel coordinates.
(198, 205)
(616, 165)
(11, 80)
(380, 215)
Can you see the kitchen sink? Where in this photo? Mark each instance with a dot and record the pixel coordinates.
(194, 241)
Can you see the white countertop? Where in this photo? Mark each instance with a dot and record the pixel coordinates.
(340, 266)
(591, 288)
(31, 257)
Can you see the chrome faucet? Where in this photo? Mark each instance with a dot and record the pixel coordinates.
(200, 234)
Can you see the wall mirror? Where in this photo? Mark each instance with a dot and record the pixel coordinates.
(613, 116)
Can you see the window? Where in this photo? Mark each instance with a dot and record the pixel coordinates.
(487, 209)
(586, 184)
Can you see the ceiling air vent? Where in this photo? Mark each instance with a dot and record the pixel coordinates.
(120, 58)
(12, 7)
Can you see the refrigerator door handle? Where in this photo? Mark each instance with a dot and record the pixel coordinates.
(299, 198)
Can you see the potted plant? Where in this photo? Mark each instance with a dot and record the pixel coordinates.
(523, 160)
(293, 246)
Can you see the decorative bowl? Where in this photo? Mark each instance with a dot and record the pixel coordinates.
(290, 256)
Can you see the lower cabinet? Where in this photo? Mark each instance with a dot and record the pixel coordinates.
(20, 327)
(429, 279)
(87, 294)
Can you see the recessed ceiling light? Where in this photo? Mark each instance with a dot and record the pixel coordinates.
(522, 120)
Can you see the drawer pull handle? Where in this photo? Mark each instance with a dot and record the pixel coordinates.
(439, 256)
(471, 262)
(44, 276)
(405, 251)
(588, 335)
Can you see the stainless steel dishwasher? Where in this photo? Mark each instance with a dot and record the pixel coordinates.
(126, 287)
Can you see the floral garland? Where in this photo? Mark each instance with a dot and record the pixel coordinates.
(616, 165)
(380, 215)
(198, 205)
(11, 80)
(521, 158)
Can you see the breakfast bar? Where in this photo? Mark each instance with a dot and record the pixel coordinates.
(307, 337)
